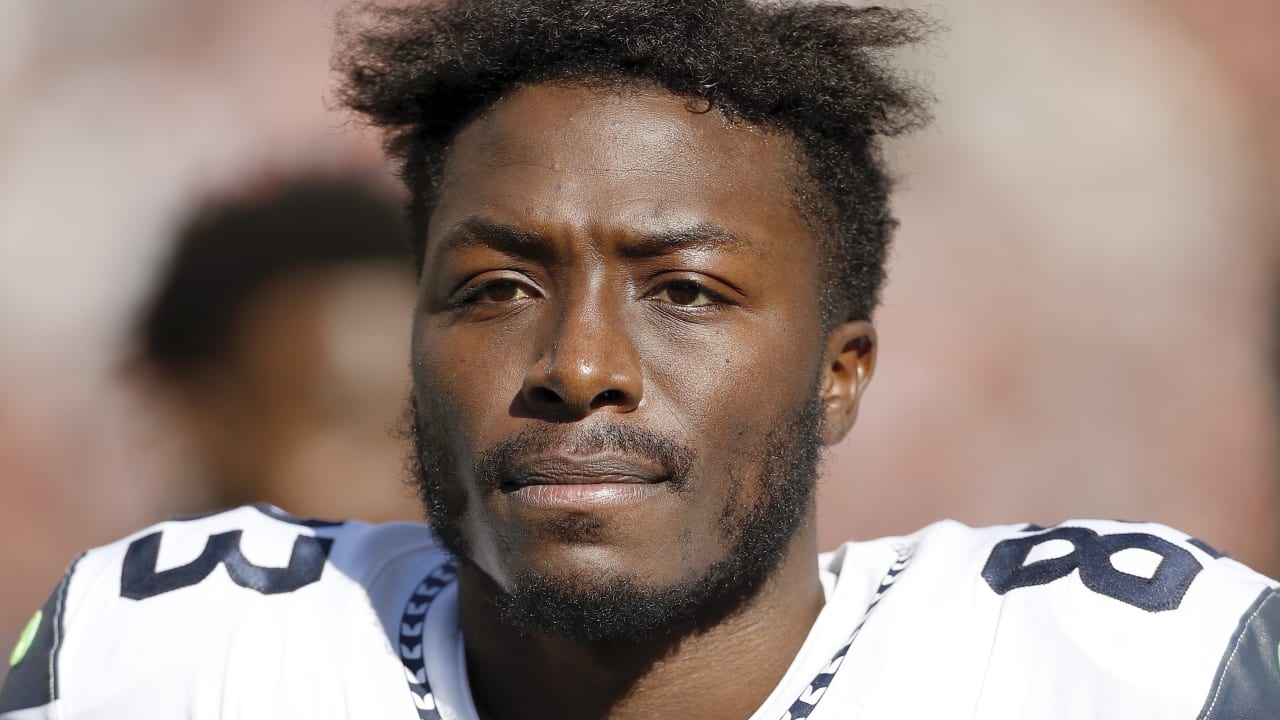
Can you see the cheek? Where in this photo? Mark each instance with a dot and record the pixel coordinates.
(467, 378)
(732, 387)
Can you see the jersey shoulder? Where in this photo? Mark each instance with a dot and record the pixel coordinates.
(1133, 610)
(256, 548)
(197, 584)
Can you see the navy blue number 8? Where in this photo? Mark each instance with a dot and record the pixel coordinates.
(140, 580)
(1005, 569)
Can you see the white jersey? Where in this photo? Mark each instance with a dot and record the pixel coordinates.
(253, 614)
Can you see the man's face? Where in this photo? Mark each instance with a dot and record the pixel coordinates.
(618, 348)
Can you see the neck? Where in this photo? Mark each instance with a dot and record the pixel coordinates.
(725, 671)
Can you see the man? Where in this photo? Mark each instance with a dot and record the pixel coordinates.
(276, 341)
(650, 237)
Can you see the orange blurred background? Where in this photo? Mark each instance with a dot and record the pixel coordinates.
(1078, 321)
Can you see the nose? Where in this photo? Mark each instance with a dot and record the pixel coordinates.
(588, 363)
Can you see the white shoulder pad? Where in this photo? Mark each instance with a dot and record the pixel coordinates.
(1097, 619)
(153, 623)
(1138, 618)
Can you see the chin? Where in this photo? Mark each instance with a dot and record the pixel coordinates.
(612, 560)
(603, 594)
(595, 605)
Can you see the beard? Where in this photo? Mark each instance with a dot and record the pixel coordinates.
(616, 607)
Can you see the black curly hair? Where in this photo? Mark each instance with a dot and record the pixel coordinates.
(818, 72)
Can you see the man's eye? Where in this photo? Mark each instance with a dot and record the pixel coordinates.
(496, 291)
(686, 294)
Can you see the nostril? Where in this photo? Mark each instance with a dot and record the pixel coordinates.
(544, 396)
(608, 397)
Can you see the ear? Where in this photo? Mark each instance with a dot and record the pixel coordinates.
(849, 363)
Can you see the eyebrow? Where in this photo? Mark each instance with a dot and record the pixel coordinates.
(702, 236)
(476, 232)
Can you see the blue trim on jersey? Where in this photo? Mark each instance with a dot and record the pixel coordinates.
(413, 651)
(412, 645)
(1247, 684)
(804, 705)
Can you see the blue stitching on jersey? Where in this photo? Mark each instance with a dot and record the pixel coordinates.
(412, 652)
(813, 694)
(412, 647)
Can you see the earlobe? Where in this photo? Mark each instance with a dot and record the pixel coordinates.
(849, 364)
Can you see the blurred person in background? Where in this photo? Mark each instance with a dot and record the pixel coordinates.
(276, 338)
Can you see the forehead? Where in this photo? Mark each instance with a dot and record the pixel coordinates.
(625, 159)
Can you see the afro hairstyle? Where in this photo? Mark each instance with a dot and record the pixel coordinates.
(818, 72)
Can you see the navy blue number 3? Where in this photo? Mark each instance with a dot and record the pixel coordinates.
(140, 579)
(1091, 555)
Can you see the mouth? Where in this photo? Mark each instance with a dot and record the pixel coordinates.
(563, 481)
(590, 470)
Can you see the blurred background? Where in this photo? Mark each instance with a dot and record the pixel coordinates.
(1079, 318)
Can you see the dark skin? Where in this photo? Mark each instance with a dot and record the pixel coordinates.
(615, 256)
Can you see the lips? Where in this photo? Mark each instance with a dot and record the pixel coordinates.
(583, 484)
(603, 469)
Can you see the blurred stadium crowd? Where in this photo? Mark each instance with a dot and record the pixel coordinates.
(1078, 321)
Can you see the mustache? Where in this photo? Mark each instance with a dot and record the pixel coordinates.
(505, 457)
